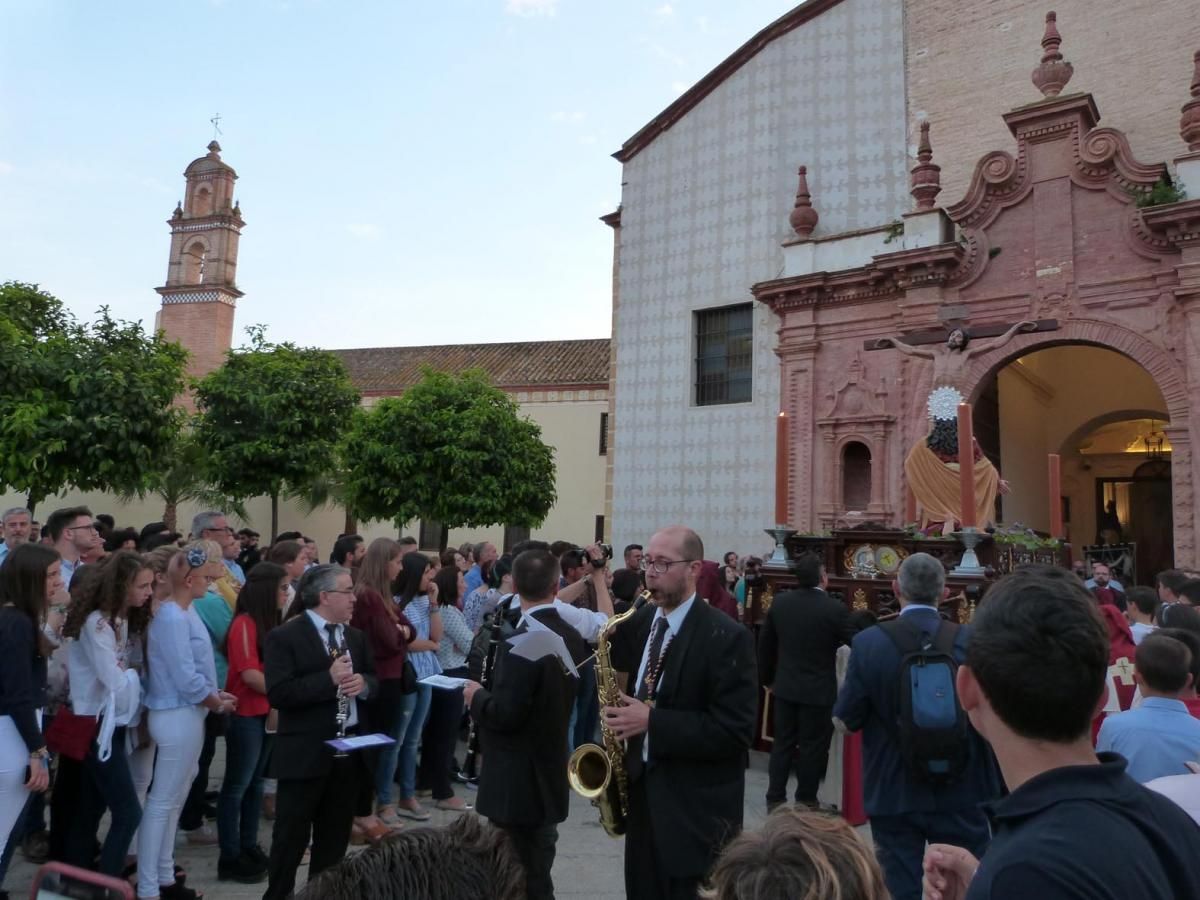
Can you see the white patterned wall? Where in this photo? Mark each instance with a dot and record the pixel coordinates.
(704, 211)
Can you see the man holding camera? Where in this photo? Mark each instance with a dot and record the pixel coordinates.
(586, 572)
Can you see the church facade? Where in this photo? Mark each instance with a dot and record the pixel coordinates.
(1078, 226)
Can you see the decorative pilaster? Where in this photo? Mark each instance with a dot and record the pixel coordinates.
(1053, 73)
(803, 217)
(926, 177)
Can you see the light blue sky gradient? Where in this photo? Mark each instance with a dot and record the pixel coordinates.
(411, 173)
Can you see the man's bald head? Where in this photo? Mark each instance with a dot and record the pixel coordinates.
(687, 542)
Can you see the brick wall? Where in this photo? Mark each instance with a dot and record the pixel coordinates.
(967, 63)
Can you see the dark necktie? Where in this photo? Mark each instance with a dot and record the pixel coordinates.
(650, 675)
(334, 650)
(633, 751)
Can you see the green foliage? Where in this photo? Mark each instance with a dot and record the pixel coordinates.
(452, 449)
(271, 416)
(83, 405)
(1019, 535)
(184, 478)
(1162, 193)
(895, 231)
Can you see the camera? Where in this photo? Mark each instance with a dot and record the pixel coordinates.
(606, 554)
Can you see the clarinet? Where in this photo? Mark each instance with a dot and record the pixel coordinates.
(471, 764)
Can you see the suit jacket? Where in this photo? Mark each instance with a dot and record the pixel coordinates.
(522, 722)
(870, 702)
(701, 728)
(296, 661)
(797, 646)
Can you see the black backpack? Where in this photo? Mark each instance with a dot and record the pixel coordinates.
(934, 732)
(508, 614)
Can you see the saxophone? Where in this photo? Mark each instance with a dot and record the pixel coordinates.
(595, 772)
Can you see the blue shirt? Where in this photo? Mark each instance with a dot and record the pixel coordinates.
(1157, 738)
(67, 569)
(180, 659)
(474, 578)
(425, 662)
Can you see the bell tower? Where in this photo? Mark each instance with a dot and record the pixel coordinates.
(201, 294)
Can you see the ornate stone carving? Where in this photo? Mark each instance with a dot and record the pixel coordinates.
(926, 176)
(803, 218)
(1053, 73)
(1189, 122)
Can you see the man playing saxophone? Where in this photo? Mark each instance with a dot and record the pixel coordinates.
(522, 724)
(688, 717)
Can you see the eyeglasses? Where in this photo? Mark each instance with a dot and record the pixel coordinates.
(660, 566)
(346, 591)
(90, 526)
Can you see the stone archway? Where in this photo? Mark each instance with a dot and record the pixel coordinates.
(1161, 367)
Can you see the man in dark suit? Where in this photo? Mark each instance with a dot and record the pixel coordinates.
(522, 723)
(688, 716)
(797, 658)
(308, 660)
(905, 811)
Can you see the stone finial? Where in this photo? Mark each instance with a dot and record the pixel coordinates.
(214, 149)
(1052, 75)
(803, 217)
(1189, 123)
(926, 176)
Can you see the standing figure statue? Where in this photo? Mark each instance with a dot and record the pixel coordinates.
(931, 466)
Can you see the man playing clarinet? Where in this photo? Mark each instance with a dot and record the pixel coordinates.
(310, 660)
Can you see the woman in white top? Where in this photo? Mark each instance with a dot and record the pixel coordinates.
(103, 685)
(180, 690)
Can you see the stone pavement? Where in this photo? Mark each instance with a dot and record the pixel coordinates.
(588, 865)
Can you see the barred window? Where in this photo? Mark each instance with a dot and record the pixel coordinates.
(724, 355)
(513, 535)
(603, 434)
(433, 535)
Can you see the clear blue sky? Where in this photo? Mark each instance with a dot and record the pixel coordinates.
(410, 173)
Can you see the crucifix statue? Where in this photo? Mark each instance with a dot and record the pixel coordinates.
(952, 359)
(931, 467)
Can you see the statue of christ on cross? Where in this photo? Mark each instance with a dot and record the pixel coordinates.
(952, 359)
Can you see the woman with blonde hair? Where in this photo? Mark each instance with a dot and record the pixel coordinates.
(181, 688)
(798, 855)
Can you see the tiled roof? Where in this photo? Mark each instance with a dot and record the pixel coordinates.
(521, 365)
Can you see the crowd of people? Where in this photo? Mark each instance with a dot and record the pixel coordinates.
(1000, 758)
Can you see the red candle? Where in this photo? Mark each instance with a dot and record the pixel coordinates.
(1056, 523)
(781, 469)
(966, 465)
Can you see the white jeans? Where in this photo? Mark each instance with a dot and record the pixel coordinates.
(14, 757)
(179, 734)
(141, 766)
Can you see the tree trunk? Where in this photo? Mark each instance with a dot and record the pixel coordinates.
(349, 526)
(274, 515)
(170, 514)
(30, 504)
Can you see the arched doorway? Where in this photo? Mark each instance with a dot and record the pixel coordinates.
(1105, 415)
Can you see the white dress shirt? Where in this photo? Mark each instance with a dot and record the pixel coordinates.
(589, 624)
(320, 623)
(674, 622)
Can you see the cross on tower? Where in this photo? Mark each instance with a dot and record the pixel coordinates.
(216, 124)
